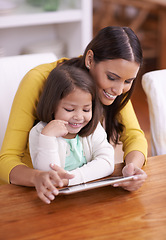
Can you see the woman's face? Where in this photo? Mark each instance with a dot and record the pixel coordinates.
(113, 77)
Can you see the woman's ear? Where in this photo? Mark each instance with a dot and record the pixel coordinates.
(89, 58)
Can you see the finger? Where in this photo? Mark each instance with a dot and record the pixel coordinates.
(122, 184)
(133, 187)
(55, 178)
(61, 172)
(128, 170)
(140, 177)
(64, 122)
(50, 185)
(42, 196)
(139, 171)
(130, 185)
(50, 195)
(142, 174)
(47, 195)
(67, 175)
(65, 133)
(44, 199)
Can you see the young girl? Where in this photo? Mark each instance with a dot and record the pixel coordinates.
(69, 133)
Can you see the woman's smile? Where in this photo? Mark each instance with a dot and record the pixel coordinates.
(109, 96)
(113, 78)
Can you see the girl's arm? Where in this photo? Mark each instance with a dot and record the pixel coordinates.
(45, 151)
(45, 148)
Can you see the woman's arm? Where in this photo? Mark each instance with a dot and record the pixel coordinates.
(135, 157)
(134, 162)
(135, 149)
(43, 181)
(14, 150)
(132, 137)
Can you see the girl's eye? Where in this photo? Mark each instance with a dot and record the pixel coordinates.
(69, 110)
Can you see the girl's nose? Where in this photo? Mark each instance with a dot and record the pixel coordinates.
(78, 116)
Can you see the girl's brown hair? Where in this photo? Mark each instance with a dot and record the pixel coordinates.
(61, 81)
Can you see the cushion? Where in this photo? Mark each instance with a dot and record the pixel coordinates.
(12, 70)
(154, 85)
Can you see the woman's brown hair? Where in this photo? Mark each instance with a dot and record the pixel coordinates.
(110, 43)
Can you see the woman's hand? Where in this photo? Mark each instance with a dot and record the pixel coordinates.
(139, 178)
(46, 182)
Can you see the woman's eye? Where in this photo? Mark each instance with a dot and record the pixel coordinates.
(68, 110)
(110, 78)
(129, 81)
(86, 110)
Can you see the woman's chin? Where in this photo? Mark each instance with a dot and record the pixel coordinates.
(106, 101)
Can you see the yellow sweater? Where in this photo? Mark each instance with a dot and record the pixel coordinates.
(15, 149)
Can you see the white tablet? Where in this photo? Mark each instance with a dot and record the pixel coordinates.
(92, 185)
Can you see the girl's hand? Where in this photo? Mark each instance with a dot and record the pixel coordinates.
(55, 128)
(46, 183)
(139, 178)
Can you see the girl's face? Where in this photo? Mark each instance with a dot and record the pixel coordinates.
(76, 109)
(113, 77)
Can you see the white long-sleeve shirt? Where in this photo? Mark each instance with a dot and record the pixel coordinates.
(98, 152)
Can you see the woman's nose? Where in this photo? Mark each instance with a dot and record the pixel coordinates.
(118, 88)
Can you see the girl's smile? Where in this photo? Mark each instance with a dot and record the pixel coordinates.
(75, 125)
(76, 109)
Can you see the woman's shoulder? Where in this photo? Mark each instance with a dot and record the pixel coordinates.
(127, 109)
(46, 68)
(36, 77)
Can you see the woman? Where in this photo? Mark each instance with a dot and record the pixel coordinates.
(113, 58)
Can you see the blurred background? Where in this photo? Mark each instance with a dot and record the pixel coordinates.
(66, 26)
